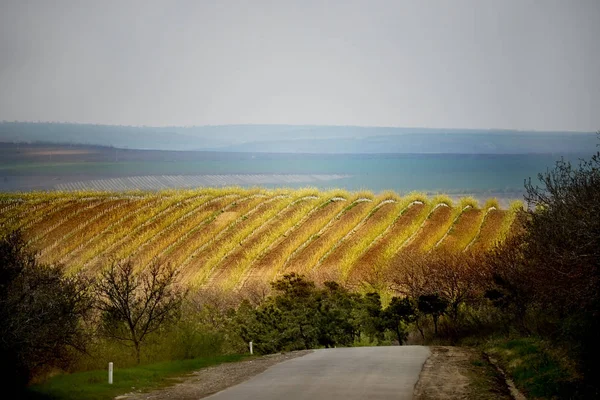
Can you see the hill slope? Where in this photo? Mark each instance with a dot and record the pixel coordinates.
(302, 138)
(234, 238)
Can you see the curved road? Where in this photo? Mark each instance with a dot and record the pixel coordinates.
(345, 373)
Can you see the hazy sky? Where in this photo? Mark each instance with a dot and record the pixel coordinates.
(461, 64)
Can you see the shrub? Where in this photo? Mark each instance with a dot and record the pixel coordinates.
(41, 312)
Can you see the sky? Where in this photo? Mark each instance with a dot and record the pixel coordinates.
(510, 64)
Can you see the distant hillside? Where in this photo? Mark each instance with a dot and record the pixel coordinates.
(232, 238)
(303, 139)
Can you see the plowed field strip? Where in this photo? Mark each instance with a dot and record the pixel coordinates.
(269, 264)
(490, 230)
(187, 253)
(46, 237)
(61, 232)
(234, 265)
(350, 234)
(166, 238)
(309, 255)
(249, 246)
(43, 222)
(118, 222)
(151, 232)
(198, 235)
(432, 230)
(86, 226)
(40, 212)
(6, 206)
(463, 231)
(377, 257)
(15, 213)
(202, 267)
(122, 238)
(346, 253)
(157, 225)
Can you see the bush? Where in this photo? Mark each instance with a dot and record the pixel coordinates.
(547, 278)
(41, 311)
(301, 316)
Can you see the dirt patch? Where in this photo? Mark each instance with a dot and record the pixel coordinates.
(226, 217)
(459, 373)
(211, 380)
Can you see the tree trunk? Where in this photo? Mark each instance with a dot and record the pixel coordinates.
(137, 351)
(454, 315)
(420, 328)
(399, 335)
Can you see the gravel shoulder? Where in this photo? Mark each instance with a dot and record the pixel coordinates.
(211, 380)
(459, 373)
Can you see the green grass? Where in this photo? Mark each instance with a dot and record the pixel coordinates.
(537, 368)
(93, 385)
(485, 382)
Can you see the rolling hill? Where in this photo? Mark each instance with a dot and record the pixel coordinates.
(302, 138)
(233, 238)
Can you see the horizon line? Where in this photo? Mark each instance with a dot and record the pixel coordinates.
(297, 126)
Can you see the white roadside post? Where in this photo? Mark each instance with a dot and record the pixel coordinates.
(110, 373)
(251, 348)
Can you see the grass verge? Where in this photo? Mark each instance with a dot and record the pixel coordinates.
(93, 385)
(485, 382)
(537, 368)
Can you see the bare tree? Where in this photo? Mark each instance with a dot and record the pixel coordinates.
(563, 255)
(135, 305)
(452, 278)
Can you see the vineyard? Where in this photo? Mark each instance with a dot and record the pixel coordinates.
(234, 238)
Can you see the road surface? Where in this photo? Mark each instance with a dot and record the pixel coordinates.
(345, 374)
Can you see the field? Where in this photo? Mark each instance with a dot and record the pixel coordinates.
(234, 238)
(44, 166)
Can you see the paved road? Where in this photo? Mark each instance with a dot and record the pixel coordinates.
(345, 373)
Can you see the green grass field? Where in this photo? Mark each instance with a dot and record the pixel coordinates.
(93, 385)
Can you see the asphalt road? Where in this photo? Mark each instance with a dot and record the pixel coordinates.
(345, 373)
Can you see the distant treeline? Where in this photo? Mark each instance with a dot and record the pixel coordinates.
(302, 139)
